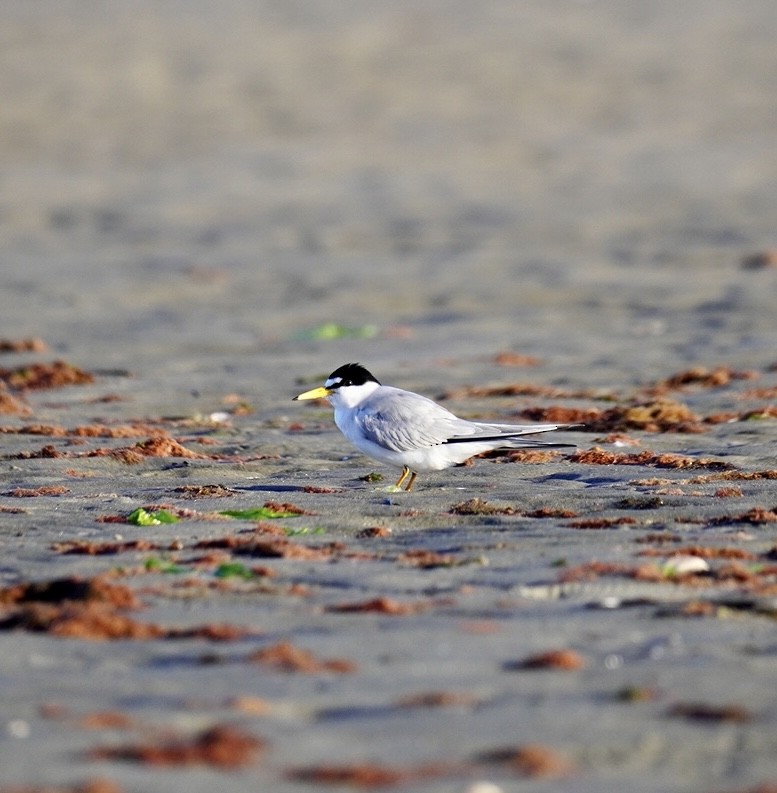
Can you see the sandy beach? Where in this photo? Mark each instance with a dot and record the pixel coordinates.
(556, 211)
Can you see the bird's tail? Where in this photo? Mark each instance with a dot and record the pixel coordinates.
(514, 436)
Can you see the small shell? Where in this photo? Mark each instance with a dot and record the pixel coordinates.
(484, 787)
(679, 565)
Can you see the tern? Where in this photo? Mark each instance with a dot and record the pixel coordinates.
(411, 431)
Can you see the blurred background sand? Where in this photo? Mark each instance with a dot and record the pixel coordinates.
(197, 177)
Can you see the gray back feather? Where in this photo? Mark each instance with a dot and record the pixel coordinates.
(402, 421)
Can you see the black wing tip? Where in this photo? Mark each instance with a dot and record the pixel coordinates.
(513, 437)
(506, 440)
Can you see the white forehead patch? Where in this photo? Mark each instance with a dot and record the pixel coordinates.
(333, 382)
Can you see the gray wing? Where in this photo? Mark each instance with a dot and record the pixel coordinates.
(402, 421)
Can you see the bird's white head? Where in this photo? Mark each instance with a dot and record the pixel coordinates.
(347, 386)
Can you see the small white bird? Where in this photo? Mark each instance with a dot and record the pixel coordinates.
(409, 430)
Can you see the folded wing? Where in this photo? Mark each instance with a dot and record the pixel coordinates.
(403, 421)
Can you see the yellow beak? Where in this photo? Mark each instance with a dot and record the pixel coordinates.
(316, 393)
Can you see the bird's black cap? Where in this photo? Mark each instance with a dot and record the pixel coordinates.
(351, 374)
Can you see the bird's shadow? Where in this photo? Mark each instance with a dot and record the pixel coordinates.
(588, 481)
(270, 488)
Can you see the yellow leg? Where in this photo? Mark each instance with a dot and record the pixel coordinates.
(403, 476)
(410, 482)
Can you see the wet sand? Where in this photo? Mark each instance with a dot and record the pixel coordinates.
(209, 207)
